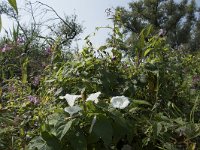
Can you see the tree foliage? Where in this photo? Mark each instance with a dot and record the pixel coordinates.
(178, 21)
(30, 45)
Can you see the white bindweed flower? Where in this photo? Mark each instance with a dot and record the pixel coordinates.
(93, 122)
(93, 97)
(119, 102)
(142, 78)
(72, 110)
(70, 98)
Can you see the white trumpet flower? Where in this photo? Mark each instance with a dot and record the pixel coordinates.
(70, 98)
(94, 97)
(72, 110)
(120, 102)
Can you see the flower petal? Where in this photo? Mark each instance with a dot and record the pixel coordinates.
(93, 122)
(72, 110)
(61, 97)
(93, 97)
(70, 98)
(120, 102)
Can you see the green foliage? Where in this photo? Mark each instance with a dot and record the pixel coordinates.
(13, 3)
(176, 20)
(50, 142)
(149, 95)
(150, 84)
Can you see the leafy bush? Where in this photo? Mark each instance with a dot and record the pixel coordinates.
(100, 98)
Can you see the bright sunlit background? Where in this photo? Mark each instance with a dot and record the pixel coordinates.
(90, 14)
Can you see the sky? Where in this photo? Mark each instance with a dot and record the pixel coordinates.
(90, 14)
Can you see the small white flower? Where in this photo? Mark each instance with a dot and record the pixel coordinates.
(93, 122)
(70, 98)
(142, 78)
(119, 102)
(72, 110)
(93, 97)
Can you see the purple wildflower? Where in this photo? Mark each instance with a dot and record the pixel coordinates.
(20, 40)
(33, 99)
(5, 48)
(48, 50)
(196, 79)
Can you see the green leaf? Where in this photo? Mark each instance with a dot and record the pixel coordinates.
(141, 41)
(192, 130)
(78, 141)
(15, 32)
(121, 127)
(58, 91)
(13, 3)
(24, 70)
(147, 51)
(169, 146)
(38, 143)
(49, 81)
(92, 138)
(104, 47)
(103, 129)
(118, 133)
(141, 102)
(54, 118)
(51, 140)
(157, 128)
(148, 30)
(63, 128)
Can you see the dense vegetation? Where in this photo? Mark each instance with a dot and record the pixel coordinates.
(179, 22)
(127, 94)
